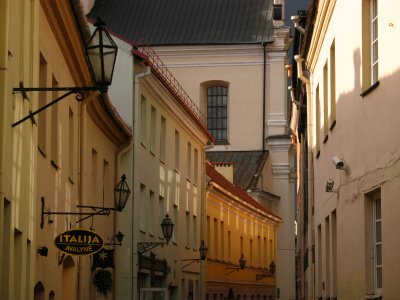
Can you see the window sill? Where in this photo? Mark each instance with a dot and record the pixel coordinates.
(318, 154)
(70, 180)
(143, 145)
(42, 152)
(152, 153)
(373, 297)
(176, 171)
(55, 165)
(162, 161)
(370, 89)
(221, 143)
(326, 139)
(332, 126)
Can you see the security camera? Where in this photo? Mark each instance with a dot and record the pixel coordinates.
(329, 186)
(339, 163)
(296, 19)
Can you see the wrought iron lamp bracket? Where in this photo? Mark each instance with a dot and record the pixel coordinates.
(143, 247)
(79, 91)
(99, 211)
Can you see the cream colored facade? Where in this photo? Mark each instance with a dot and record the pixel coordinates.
(18, 148)
(237, 225)
(166, 165)
(354, 66)
(67, 155)
(255, 121)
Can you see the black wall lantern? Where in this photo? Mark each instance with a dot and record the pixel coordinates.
(271, 273)
(101, 52)
(167, 227)
(203, 255)
(242, 265)
(121, 194)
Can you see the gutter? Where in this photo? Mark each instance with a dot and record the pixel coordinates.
(135, 180)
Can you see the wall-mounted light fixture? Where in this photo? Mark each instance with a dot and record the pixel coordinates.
(121, 196)
(242, 265)
(101, 52)
(203, 249)
(116, 240)
(167, 227)
(329, 186)
(43, 251)
(270, 273)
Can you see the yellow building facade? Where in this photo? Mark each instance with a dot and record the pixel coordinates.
(67, 155)
(238, 228)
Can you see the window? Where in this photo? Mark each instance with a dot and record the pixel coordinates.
(71, 143)
(163, 138)
(151, 213)
(327, 258)
(217, 112)
(196, 166)
(94, 175)
(326, 101)
(332, 78)
(189, 161)
(142, 217)
(377, 243)
(176, 150)
(370, 56)
(229, 246)
(216, 238)
(222, 240)
(54, 128)
(161, 213)
(187, 229)
(176, 225)
(42, 128)
(143, 119)
(153, 129)
(194, 232)
(105, 183)
(319, 266)
(374, 41)
(317, 120)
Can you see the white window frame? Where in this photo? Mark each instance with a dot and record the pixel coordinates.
(374, 41)
(377, 201)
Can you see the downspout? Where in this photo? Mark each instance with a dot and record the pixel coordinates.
(203, 216)
(310, 165)
(264, 93)
(135, 180)
(121, 151)
(82, 168)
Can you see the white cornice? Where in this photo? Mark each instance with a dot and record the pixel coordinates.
(281, 170)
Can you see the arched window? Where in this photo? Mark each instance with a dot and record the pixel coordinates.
(217, 113)
(38, 291)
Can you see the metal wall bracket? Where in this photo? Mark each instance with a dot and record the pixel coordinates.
(143, 247)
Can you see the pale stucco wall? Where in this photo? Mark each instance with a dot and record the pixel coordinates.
(363, 137)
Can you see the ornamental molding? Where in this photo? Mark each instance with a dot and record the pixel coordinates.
(281, 170)
(279, 144)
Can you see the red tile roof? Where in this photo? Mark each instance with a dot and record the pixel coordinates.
(219, 179)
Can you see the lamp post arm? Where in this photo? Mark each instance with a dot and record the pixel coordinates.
(143, 247)
(191, 262)
(70, 90)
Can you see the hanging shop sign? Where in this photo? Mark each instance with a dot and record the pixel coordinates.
(79, 242)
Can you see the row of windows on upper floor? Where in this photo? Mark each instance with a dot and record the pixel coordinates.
(220, 240)
(325, 92)
(158, 130)
(152, 213)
